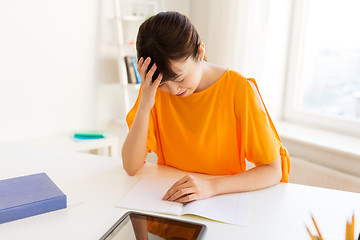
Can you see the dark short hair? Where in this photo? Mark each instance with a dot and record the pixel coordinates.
(164, 37)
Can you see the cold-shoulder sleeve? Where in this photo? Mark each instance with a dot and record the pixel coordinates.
(151, 144)
(259, 140)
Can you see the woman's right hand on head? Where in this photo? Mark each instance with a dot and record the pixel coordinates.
(148, 88)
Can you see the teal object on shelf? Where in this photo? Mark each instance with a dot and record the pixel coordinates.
(90, 134)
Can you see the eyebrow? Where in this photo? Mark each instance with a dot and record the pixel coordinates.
(177, 76)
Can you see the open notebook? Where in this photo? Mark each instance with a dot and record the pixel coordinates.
(147, 195)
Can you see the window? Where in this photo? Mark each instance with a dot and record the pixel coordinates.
(324, 65)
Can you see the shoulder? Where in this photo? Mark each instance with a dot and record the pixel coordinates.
(244, 88)
(237, 81)
(236, 76)
(242, 82)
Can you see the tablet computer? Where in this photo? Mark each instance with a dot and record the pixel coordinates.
(143, 226)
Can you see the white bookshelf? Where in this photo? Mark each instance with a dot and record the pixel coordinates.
(129, 14)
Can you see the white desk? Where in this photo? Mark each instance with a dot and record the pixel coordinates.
(94, 184)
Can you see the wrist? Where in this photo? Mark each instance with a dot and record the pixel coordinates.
(142, 115)
(143, 111)
(214, 187)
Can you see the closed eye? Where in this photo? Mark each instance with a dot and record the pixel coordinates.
(162, 83)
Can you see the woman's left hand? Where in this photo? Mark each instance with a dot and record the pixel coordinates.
(188, 189)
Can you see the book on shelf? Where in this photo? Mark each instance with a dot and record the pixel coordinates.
(147, 195)
(134, 64)
(131, 70)
(29, 195)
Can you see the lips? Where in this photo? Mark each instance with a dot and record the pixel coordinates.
(181, 94)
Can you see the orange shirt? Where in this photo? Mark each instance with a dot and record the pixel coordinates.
(213, 131)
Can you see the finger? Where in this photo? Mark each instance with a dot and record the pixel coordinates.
(183, 180)
(158, 81)
(171, 189)
(151, 72)
(177, 183)
(143, 68)
(145, 64)
(181, 193)
(187, 198)
(140, 63)
(176, 187)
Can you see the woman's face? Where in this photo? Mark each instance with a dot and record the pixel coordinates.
(187, 80)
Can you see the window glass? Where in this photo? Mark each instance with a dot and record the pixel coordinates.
(330, 79)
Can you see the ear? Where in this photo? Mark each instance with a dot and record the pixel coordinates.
(201, 51)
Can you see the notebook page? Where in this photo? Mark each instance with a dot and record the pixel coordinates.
(147, 195)
(229, 208)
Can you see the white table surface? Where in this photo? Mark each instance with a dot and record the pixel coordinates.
(94, 184)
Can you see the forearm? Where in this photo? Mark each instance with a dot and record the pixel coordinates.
(134, 148)
(254, 179)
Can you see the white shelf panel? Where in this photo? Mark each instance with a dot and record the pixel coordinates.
(132, 18)
(133, 86)
(129, 14)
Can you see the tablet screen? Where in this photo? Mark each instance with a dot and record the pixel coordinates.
(140, 226)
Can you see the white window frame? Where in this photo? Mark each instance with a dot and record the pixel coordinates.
(293, 81)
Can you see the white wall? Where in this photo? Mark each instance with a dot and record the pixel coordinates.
(48, 67)
(54, 73)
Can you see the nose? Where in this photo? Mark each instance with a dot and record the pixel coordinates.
(173, 87)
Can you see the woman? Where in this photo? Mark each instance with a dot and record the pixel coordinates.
(199, 117)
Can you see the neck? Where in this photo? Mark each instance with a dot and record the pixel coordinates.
(205, 76)
(210, 74)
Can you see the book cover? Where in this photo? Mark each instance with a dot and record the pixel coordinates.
(130, 70)
(134, 64)
(147, 195)
(29, 195)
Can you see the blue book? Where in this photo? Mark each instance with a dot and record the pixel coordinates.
(134, 64)
(27, 196)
